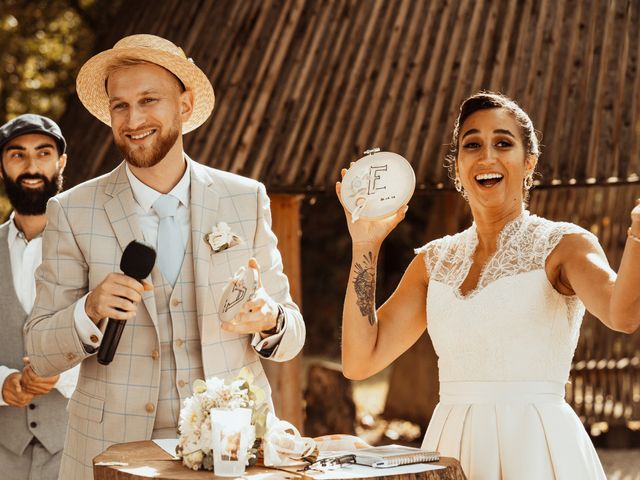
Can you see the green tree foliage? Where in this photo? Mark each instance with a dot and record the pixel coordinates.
(43, 44)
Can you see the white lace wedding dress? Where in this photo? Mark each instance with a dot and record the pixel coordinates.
(504, 354)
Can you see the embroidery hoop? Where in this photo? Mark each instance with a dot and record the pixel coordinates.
(377, 185)
(236, 293)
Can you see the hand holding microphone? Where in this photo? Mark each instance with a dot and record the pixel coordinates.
(118, 296)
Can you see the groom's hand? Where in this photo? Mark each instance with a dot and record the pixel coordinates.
(117, 297)
(259, 314)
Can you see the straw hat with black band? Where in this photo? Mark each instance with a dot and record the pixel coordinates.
(90, 83)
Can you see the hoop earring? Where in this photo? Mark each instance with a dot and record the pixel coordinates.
(528, 181)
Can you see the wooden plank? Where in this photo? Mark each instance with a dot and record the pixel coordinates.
(375, 47)
(389, 68)
(400, 130)
(519, 64)
(612, 164)
(556, 54)
(286, 377)
(298, 69)
(338, 113)
(565, 83)
(437, 80)
(222, 63)
(484, 49)
(268, 90)
(398, 92)
(535, 60)
(300, 128)
(253, 108)
(633, 101)
(501, 60)
(624, 142)
(468, 63)
(597, 93)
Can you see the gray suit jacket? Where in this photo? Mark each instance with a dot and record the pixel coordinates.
(87, 230)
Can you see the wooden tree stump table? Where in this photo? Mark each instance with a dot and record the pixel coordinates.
(144, 460)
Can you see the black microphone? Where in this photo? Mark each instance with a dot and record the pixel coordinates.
(136, 262)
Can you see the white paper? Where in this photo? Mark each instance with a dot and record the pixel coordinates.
(362, 471)
(168, 445)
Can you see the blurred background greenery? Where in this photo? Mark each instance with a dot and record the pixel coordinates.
(43, 43)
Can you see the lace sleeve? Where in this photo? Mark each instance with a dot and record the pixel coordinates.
(559, 230)
(430, 251)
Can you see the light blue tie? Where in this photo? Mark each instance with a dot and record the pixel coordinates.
(170, 243)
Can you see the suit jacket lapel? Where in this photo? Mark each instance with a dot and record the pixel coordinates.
(121, 212)
(204, 211)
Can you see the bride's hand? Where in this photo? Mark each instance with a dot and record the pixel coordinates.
(370, 231)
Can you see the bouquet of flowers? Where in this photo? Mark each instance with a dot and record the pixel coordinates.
(195, 442)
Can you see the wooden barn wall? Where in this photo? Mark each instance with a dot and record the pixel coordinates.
(304, 86)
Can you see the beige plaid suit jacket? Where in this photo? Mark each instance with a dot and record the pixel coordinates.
(88, 228)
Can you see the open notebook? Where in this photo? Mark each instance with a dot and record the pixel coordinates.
(393, 456)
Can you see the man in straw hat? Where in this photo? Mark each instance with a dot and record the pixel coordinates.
(205, 223)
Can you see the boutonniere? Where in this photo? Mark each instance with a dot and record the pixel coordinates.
(221, 237)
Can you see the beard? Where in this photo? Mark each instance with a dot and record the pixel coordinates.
(145, 157)
(31, 201)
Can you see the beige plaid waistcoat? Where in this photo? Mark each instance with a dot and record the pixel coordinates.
(180, 354)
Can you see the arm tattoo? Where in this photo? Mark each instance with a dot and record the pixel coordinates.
(364, 284)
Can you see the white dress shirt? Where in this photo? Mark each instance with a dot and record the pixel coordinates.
(25, 257)
(145, 196)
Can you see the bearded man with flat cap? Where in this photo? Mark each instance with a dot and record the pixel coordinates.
(33, 417)
(150, 94)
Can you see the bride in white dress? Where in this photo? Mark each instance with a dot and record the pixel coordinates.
(504, 303)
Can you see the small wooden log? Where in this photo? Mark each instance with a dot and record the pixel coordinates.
(329, 398)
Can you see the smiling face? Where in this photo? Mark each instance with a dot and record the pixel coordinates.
(492, 161)
(147, 107)
(32, 172)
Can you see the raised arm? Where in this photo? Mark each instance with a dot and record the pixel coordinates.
(372, 339)
(583, 268)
